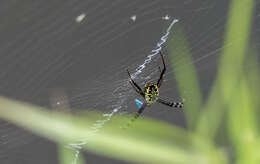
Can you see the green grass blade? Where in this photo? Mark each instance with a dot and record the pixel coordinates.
(186, 76)
(68, 155)
(231, 61)
(131, 145)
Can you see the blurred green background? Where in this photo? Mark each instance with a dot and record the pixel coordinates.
(223, 129)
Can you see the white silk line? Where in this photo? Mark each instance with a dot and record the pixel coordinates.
(154, 51)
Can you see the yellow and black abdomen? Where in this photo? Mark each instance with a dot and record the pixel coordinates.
(151, 93)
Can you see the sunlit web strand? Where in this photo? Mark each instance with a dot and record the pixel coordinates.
(154, 51)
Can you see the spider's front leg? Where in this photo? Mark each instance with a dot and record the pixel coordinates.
(135, 86)
(159, 82)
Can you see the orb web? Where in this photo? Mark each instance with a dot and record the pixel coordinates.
(75, 54)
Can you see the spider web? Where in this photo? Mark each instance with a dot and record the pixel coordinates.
(76, 53)
(122, 91)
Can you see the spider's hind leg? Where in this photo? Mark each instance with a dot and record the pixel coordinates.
(136, 116)
(170, 104)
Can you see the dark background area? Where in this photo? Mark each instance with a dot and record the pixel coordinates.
(45, 52)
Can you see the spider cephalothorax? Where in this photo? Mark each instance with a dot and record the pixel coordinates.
(151, 91)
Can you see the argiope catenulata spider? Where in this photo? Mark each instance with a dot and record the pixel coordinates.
(151, 92)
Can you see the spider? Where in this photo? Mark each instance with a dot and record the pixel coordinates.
(151, 92)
